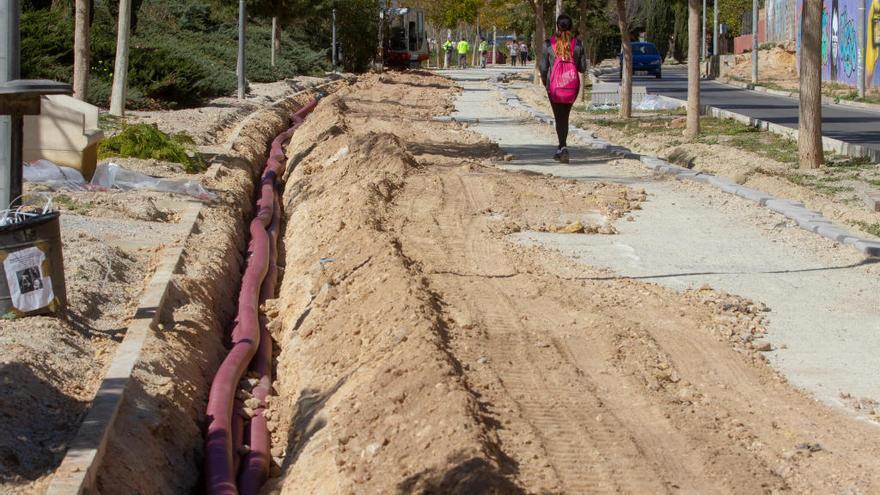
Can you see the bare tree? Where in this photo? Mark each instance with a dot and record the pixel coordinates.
(625, 13)
(810, 107)
(693, 101)
(540, 35)
(626, 73)
(120, 71)
(81, 50)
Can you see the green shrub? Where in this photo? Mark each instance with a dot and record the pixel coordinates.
(147, 141)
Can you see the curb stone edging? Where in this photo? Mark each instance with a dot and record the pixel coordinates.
(806, 219)
(78, 469)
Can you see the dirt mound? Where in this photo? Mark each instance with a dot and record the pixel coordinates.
(776, 65)
(422, 350)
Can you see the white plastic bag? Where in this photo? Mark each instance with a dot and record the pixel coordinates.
(56, 177)
(651, 103)
(110, 176)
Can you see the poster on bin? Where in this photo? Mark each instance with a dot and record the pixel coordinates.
(29, 288)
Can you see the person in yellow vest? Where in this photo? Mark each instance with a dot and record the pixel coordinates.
(463, 48)
(484, 47)
(448, 49)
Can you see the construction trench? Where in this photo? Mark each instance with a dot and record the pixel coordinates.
(400, 339)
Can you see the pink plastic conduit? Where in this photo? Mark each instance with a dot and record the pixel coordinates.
(251, 347)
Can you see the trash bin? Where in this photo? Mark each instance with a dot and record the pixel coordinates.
(32, 267)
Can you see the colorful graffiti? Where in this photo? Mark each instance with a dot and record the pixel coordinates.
(849, 46)
(872, 50)
(842, 41)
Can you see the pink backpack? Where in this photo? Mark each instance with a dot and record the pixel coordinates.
(565, 81)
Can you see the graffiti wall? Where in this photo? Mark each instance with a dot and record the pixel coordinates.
(781, 20)
(842, 42)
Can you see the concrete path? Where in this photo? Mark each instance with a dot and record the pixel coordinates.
(851, 125)
(824, 299)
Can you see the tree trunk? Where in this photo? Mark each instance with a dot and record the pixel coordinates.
(810, 108)
(626, 86)
(120, 70)
(693, 101)
(538, 42)
(81, 51)
(582, 33)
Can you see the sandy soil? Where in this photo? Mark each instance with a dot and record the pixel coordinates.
(423, 351)
(777, 66)
(844, 206)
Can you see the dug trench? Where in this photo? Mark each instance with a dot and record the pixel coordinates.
(156, 444)
(420, 349)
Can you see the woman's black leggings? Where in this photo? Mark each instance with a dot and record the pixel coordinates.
(561, 112)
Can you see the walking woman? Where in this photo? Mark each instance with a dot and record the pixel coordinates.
(562, 63)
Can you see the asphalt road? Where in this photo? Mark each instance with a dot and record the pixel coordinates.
(849, 125)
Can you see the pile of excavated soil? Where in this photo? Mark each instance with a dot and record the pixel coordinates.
(421, 350)
(776, 65)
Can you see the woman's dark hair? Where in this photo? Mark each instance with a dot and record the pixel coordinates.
(564, 23)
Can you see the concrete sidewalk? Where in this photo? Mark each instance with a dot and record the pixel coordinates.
(824, 300)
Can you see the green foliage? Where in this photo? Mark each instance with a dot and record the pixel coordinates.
(660, 24)
(46, 45)
(680, 47)
(183, 52)
(147, 141)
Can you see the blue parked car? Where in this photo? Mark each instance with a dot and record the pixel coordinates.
(646, 59)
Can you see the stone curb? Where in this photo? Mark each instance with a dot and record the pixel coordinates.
(78, 469)
(806, 219)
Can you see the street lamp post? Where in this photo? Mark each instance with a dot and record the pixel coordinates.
(863, 43)
(241, 32)
(334, 40)
(703, 38)
(754, 41)
(9, 70)
(715, 29)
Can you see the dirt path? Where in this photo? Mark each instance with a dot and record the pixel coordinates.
(425, 349)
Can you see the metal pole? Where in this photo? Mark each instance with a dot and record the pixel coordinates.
(10, 127)
(703, 38)
(120, 69)
(715, 29)
(494, 44)
(334, 40)
(862, 45)
(754, 41)
(242, 12)
(274, 33)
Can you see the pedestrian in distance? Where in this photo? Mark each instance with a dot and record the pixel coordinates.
(562, 63)
(463, 48)
(523, 53)
(483, 48)
(448, 49)
(513, 47)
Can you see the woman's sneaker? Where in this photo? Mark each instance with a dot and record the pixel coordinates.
(563, 155)
(558, 155)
